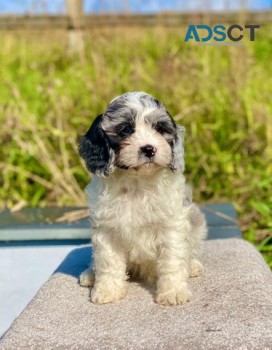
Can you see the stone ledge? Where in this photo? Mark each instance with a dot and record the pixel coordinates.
(231, 309)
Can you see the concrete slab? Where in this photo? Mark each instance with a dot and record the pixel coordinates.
(231, 309)
(31, 254)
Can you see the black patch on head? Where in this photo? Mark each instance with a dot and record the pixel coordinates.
(113, 107)
(121, 132)
(164, 127)
(163, 123)
(124, 129)
(119, 123)
(158, 103)
(95, 149)
(146, 99)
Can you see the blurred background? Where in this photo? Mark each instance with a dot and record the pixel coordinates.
(61, 62)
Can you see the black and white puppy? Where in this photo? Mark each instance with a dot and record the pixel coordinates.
(143, 220)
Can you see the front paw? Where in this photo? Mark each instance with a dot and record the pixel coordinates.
(175, 296)
(107, 294)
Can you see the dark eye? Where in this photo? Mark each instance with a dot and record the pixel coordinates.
(163, 128)
(127, 130)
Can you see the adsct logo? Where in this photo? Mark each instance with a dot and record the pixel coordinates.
(219, 34)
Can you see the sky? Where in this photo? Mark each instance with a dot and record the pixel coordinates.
(135, 6)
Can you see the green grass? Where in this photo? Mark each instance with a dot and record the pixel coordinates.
(222, 95)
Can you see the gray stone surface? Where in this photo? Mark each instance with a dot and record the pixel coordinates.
(231, 309)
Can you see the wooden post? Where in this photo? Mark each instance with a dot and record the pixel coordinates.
(75, 27)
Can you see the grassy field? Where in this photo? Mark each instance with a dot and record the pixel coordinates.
(222, 95)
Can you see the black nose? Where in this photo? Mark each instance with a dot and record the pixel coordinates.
(148, 150)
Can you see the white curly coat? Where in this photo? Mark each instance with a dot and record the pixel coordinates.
(144, 224)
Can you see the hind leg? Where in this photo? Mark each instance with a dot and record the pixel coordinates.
(86, 279)
(196, 268)
(198, 234)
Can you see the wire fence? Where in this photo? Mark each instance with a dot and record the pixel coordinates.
(165, 19)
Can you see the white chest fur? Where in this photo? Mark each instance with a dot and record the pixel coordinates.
(136, 209)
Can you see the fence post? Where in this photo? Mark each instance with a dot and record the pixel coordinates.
(75, 27)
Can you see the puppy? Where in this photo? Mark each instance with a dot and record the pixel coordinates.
(143, 221)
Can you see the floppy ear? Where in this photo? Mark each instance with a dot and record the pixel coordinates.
(95, 149)
(177, 162)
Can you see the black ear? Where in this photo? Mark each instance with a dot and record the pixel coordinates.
(94, 148)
